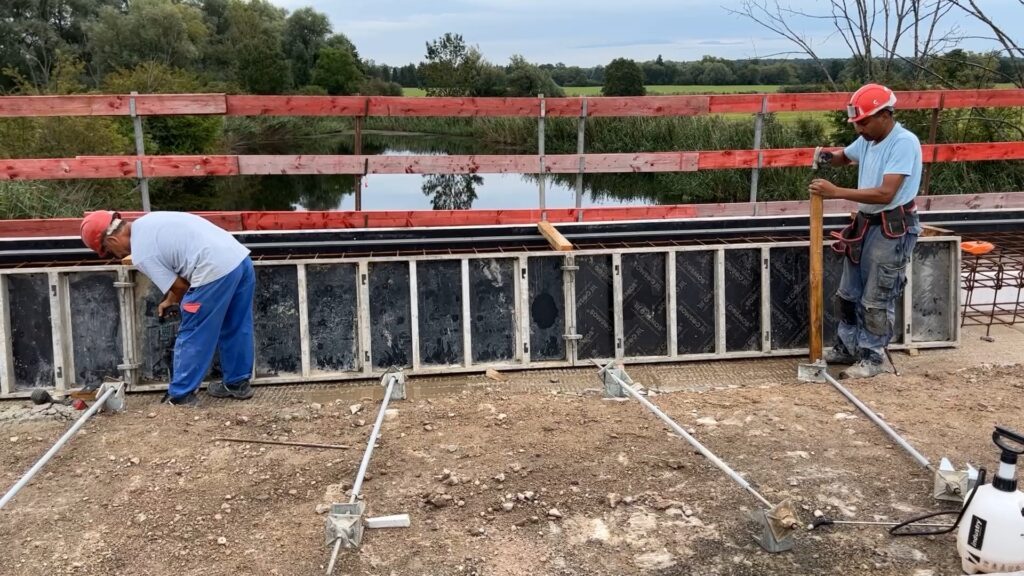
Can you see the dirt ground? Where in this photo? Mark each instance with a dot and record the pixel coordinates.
(517, 477)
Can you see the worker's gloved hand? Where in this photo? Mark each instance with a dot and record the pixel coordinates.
(821, 158)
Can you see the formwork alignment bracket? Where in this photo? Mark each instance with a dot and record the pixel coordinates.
(344, 525)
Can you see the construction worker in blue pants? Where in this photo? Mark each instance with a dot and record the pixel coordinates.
(204, 271)
(879, 242)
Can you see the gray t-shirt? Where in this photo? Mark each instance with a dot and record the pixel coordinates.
(168, 245)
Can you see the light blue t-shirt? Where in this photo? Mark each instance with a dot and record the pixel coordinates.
(897, 153)
(168, 245)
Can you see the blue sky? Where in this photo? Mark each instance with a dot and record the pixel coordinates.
(593, 32)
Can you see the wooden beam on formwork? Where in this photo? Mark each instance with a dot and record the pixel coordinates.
(554, 237)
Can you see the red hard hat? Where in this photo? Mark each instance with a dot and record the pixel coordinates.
(95, 226)
(869, 100)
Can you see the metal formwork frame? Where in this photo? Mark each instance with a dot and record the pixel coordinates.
(64, 378)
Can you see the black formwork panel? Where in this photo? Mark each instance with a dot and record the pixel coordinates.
(31, 331)
(644, 321)
(439, 303)
(492, 309)
(595, 307)
(547, 308)
(390, 315)
(95, 327)
(276, 321)
(333, 317)
(155, 336)
(695, 302)
(789, 273)
(933, 293)
(742, 300)
(790, 296)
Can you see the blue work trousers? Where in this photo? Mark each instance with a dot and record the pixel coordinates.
(215, 317)
(871, 289)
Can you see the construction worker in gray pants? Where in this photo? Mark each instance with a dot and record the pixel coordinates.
(878, 244)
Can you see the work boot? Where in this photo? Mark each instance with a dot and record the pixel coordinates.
(870, 364)
(840, 355)
(239, 391)
(189, 400)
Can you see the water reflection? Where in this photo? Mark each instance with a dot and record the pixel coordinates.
(385, 191)
(451, 191)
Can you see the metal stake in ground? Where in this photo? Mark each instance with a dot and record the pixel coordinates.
(109, 392)
(777, 522)
(345, 521)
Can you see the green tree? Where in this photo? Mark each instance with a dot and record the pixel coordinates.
(715, 74)
(623, 77)
(305, 33)
(255, 38)
(453, 69)
(525, 79)
(337, 71)
(160, 31)
(32, 32)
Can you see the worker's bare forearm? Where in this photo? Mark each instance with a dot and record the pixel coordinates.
(177, 291)
(840, 159)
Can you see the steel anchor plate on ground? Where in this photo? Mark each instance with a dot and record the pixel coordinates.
(777, 526)
(812, 372)
(116, 401)
(345, 523)
(952, 484)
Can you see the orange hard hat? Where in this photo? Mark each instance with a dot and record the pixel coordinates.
(869, 100)
(96, 226)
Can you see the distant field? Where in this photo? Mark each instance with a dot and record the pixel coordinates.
(678, 89)
(681, 89)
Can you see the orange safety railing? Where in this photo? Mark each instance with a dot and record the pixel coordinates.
(147, 166)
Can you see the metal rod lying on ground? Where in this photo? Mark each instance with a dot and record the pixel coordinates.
(950, 484)
(57, 446)
(280, 443)
(692, 441)
(349, 516)
(373, 439)
(877, 420)
(777, 523)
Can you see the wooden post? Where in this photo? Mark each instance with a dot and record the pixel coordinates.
(816, 265)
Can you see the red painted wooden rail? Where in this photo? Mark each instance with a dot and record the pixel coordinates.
(679, 161)
(226, 165)
(687, 105)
